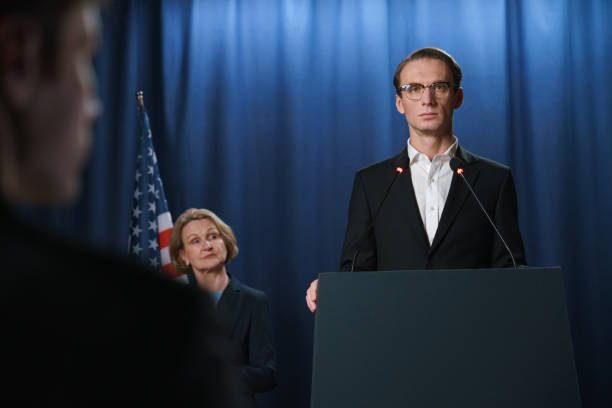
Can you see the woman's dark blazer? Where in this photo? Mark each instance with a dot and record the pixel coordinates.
(245, 314)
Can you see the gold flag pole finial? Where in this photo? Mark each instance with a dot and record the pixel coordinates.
(140, 98)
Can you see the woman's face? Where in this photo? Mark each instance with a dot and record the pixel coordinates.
(203, 247)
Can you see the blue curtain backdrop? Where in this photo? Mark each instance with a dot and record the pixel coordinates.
(262, 110)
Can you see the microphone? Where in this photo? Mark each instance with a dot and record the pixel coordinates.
(398, 170)
(457, 165)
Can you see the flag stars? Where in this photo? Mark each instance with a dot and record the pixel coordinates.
(152, 207)
(136, 249)
(150, 149)
(137, 193)
(153, 262)
(136, 212)
(150, 170)
(138, 175)
(152, 225)
(153, 244)
(136, 231)
(152, 188)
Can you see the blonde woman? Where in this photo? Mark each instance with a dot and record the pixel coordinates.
(201, 245)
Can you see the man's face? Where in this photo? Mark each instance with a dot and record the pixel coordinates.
(430, 115)
(59, 118)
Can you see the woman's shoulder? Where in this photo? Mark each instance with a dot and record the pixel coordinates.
(248, 291)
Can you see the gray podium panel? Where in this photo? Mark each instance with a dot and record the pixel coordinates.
(443, 338)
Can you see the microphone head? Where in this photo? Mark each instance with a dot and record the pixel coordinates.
(457, 165)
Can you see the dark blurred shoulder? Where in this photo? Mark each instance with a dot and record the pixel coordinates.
(89, 327)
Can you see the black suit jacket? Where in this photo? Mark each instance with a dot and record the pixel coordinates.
(84, 328)
(464, 238)
(245, 315)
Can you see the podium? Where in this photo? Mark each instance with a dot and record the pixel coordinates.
(443, 338)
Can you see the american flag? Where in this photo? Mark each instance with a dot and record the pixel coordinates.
(151, 222)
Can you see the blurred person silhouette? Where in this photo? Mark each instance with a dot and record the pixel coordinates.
(201, 245)
(81, 328)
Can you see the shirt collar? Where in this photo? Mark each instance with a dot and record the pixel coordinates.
(413, 154)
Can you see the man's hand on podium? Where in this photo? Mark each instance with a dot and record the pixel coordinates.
(311, 295)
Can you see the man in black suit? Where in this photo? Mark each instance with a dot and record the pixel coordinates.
(429, 219)
(80, 328)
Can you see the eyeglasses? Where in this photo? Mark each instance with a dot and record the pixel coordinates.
(414, 92)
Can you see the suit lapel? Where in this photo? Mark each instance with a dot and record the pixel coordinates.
(229, 304)
(457, 195)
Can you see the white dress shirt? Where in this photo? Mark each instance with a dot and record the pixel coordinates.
(431, 181)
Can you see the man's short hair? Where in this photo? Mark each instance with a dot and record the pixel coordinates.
(176, 239)
(48, 14)
(433, 53)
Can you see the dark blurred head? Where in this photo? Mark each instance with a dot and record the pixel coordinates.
(48, 97)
